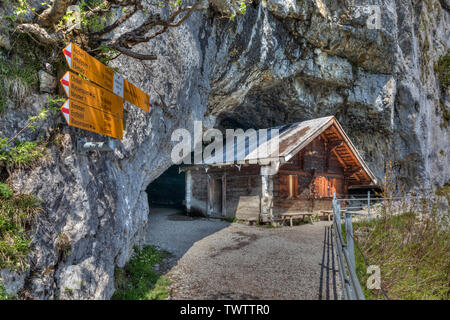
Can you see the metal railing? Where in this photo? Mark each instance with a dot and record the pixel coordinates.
(346, 254)
(365, 207)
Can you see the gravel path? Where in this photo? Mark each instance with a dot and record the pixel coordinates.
(213, 259)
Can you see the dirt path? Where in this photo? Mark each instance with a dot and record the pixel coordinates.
(214, 259)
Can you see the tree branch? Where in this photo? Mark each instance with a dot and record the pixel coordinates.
(55, 13)
(130, 53)
(119, 21)
(138, 35)
(33, 29)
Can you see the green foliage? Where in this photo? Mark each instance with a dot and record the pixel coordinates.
(5, 191)
(4, 295)
(16, 216)
(23, 154)
(243, 8)
(138, 281)
(18, 74)
(444, 191)
(55, 103)
(68, 17)
(94, 22)
(3, 101)
(412, 254)
(442, 69)
(106, 53)
(22, 8)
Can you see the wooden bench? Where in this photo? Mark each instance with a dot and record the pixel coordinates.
(327, 213)
(251, 221)
(291, 216)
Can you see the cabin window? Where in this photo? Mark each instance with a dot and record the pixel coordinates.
(293, 186)
(325, 187)
(288, 186)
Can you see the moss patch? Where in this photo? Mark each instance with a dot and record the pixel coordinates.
(442, 69)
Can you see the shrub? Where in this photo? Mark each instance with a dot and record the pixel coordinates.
(5, 191)
(23, 154)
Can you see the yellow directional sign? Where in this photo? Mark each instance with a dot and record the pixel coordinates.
(86, 65)
(92, 95)
(85, 117)
(136, 96)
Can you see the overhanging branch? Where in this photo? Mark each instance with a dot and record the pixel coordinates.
(131, 53)
(126, 41)
(33, 29)
(55, 13)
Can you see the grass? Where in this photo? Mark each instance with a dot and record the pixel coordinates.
(444, 191)
(17, 78)
(16, 215)
(413, 256)
(138, 281)
(23, 154)
(4, 295)
(442, 69)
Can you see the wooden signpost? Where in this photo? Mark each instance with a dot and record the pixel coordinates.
(97, 107)
(87, 66)
(92, 95)
(88, 118)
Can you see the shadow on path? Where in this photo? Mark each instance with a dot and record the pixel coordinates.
(329, 268)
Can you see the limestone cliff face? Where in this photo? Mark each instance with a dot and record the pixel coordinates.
(283, 61)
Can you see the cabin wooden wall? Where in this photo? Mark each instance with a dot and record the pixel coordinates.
(243, 191)
(315, 173)
(199, 192)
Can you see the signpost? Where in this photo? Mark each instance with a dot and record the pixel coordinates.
(88, 118)
(92, 95)
(86, 65)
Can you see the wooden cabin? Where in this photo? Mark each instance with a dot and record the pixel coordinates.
(315, 158)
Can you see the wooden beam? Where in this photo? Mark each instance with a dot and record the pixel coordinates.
(339, 158)
(335, 144)
(301, 172)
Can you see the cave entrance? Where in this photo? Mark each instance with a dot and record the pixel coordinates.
(168, 190)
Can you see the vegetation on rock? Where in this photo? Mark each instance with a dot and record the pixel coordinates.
(4, 295)
(17, 213)
(442, 69)
(138, 280)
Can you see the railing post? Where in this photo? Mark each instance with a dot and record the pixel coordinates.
(337, 211)
(349, 238)
(368, 205)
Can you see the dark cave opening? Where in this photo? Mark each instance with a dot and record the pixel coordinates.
(168, 190)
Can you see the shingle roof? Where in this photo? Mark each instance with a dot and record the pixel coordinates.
(292, 138)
